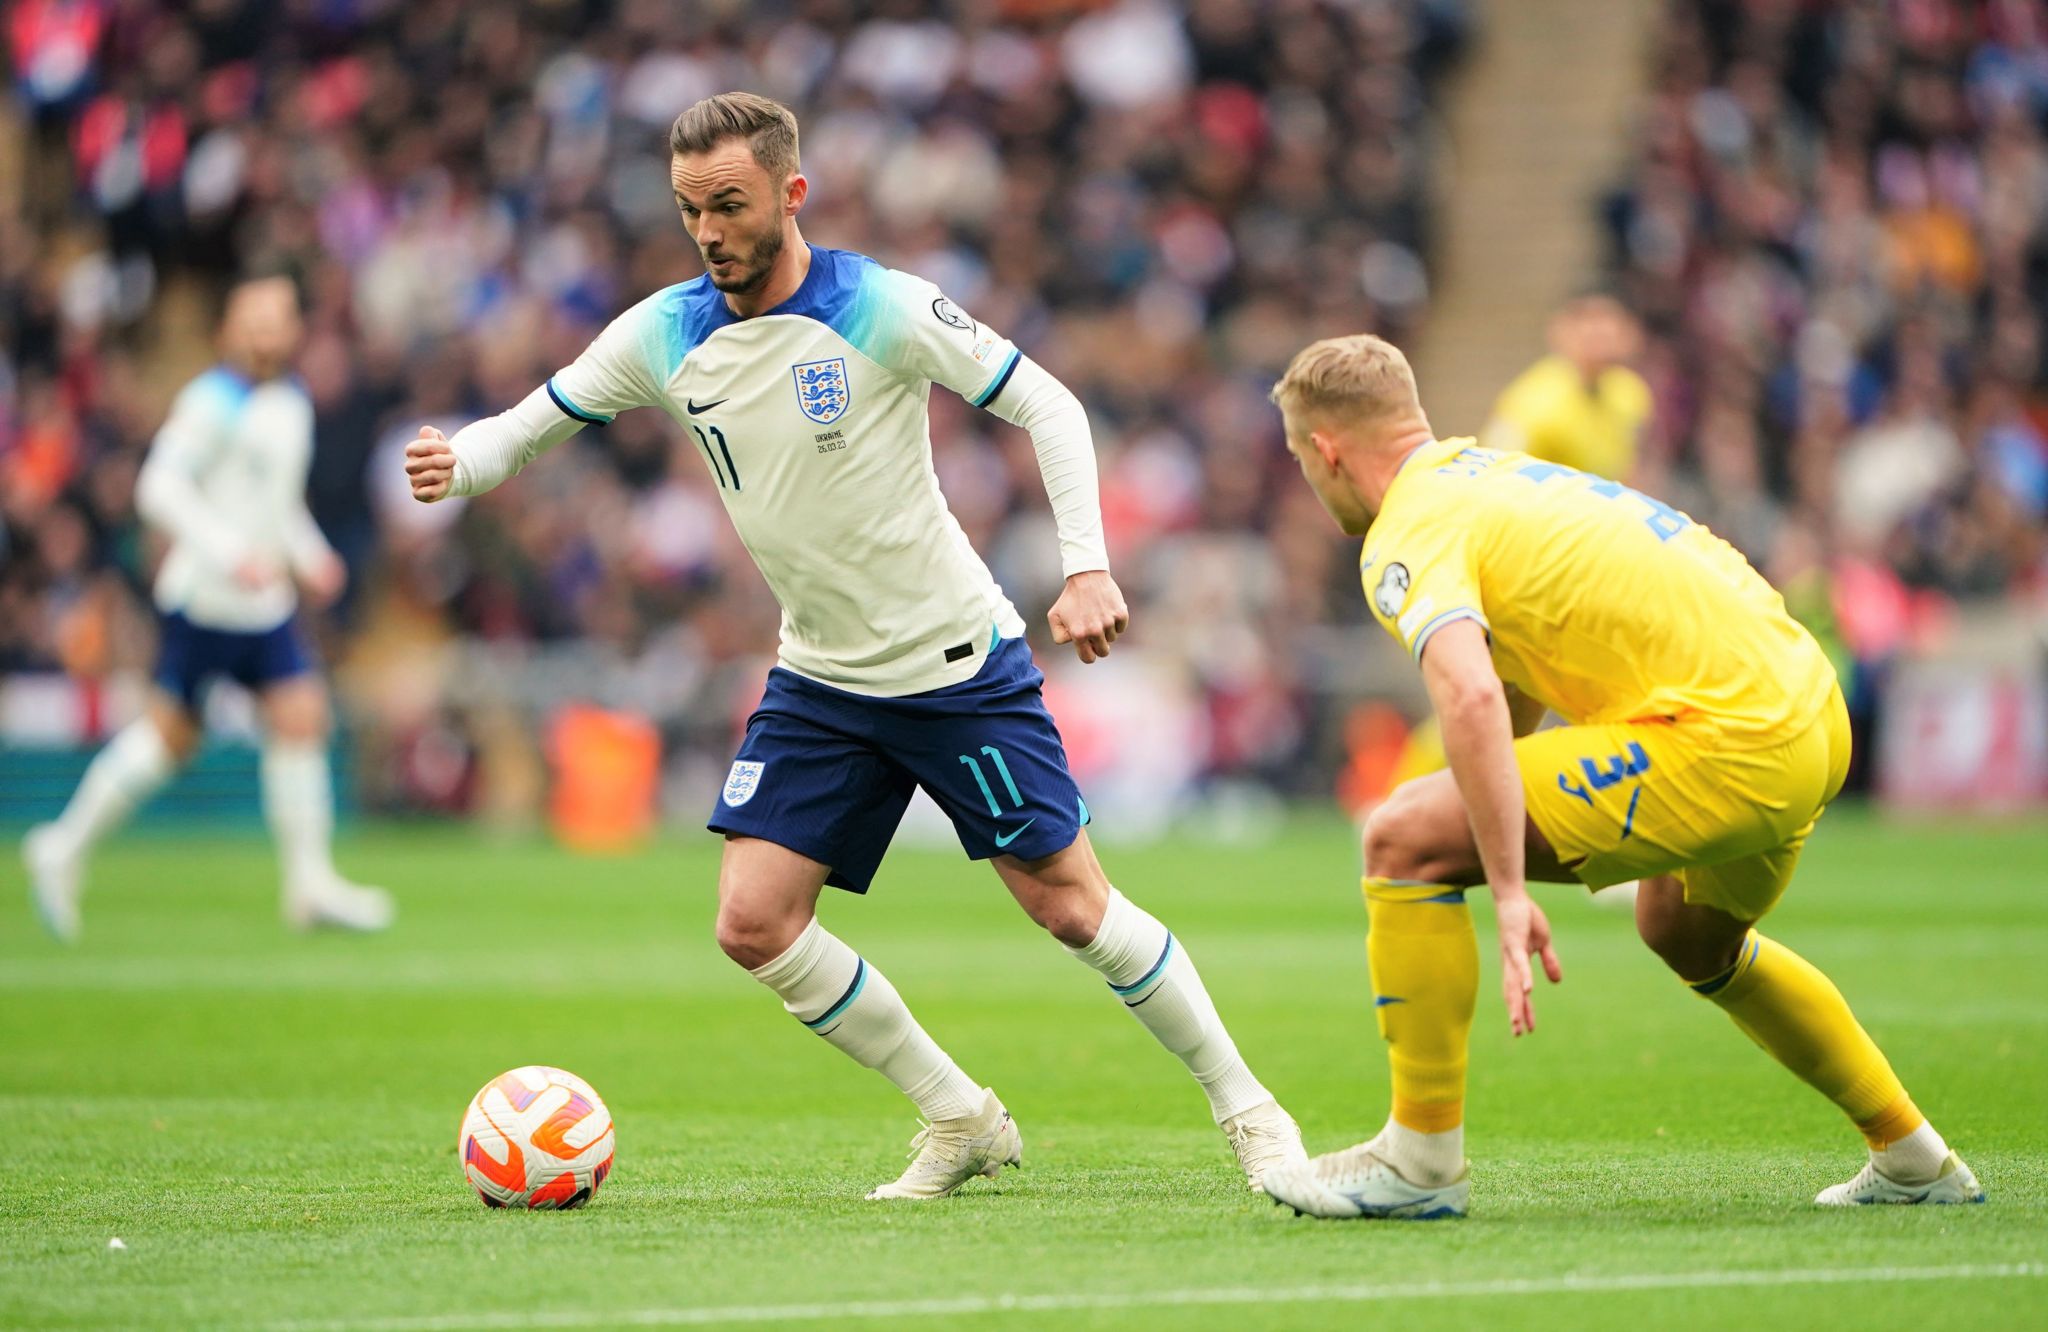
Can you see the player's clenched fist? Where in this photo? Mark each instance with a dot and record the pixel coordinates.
(430, 465)
(1089, 614)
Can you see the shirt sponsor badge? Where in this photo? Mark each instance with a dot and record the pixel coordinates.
(822, 389)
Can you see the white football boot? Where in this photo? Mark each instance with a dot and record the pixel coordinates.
(948, 1152)
(1955, 1184)
(54, 880)
(1358, 1182)
(333, 902)
(1264, 1137)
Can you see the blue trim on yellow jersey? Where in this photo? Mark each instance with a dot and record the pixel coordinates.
(569, 408)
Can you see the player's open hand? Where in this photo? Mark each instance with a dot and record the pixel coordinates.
(1524, 932)
(430, 465)
(1089, 614)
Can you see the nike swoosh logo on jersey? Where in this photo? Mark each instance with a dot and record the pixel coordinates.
(696, 410)
(1005, 839)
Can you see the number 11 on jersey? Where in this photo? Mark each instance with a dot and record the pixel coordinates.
(728, 471)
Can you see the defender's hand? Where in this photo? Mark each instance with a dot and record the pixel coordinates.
(324, 581)
(430, 465)
(257, 572)
(1523, 932)
(1089, 614)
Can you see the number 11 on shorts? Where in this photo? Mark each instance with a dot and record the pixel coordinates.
(1002, 770)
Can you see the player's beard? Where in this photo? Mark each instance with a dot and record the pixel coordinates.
(753, 274)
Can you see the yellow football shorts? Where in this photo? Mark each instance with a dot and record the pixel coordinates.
(1628, 800)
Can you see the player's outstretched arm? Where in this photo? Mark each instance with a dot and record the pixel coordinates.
(611, 376)
(486, 453)
(1471, 703)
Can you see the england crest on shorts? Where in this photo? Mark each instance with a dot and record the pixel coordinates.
(742, 782)
(822, 390)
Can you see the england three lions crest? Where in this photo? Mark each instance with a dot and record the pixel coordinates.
(822, 389)
(742, 782)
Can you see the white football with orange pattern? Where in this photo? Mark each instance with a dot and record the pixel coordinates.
(536, 1137)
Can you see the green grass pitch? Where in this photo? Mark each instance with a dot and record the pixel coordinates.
(268, 1122)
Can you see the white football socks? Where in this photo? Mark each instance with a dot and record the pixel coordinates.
(1916, 1158)
(1153, 975)
(834, 991)
(298, 801)
(123, 775)
(1422, 1158)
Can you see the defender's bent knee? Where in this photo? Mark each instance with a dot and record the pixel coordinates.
(1696, 942)
(1396, 846)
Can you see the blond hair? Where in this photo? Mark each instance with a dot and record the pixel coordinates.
(1355, 377)
(767, 125)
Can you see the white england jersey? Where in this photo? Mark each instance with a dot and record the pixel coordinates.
(812, 419)
(225, 480)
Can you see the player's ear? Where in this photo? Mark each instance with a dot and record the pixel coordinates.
(795, 192)
(1325, 445)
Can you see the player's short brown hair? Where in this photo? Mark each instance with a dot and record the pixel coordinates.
(1355, 376)
(767, 125)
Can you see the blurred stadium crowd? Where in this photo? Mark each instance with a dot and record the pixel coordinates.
(1832, 223)
(1836, 227)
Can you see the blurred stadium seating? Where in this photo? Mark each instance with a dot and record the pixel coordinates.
(1833, 222)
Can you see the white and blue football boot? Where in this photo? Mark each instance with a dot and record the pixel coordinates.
(1358, 1182)
(1955, 1184)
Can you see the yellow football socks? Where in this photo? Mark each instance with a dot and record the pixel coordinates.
(1784, 1004)
(1425, 980)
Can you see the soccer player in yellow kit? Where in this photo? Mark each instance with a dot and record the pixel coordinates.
(1580, 405)
(1705, 735)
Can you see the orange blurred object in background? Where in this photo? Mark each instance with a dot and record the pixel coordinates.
(607, 771)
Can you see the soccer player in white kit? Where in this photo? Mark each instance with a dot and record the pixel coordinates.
(225, 481)
(800, 375)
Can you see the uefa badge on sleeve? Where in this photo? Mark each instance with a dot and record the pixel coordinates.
(1392, 591)
(742, 782)
(822, 390)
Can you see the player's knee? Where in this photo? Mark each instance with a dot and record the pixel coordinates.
(1676, 937)
(297, 712)
(178, 729)
(1392, 851)
(1070, 918)
(752, 937)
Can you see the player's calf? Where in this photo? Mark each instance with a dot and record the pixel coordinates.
(1151, 973)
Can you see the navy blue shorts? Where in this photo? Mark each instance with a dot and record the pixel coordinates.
(828, 774)
(188, 656)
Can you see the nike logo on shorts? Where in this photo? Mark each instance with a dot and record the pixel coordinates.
(695, 410)
(1004, 839)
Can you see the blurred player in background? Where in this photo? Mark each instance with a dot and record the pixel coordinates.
(1581, 405)
(1705, 735)
(800, 375)
(225, 483)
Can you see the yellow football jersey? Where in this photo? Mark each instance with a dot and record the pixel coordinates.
(1552, 414)
(1602, 603)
